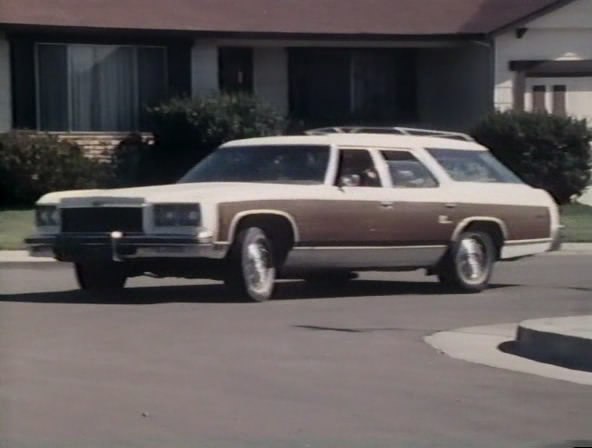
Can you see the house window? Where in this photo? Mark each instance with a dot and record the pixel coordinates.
(98, 87)
(235, 69)
(329, 85)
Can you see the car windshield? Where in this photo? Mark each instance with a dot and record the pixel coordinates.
(473, 166)
(289, 164)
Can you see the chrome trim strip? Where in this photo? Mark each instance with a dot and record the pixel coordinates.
(525, 250)
(465, 222)
(533, 241)
(435, 246)
(244, 213)
(374, 258)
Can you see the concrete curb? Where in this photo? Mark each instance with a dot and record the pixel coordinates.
(21, 256)
(492, 346)
(565, 341)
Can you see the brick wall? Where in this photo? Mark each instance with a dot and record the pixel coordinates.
(99, 146)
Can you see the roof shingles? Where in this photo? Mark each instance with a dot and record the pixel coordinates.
(348, 17)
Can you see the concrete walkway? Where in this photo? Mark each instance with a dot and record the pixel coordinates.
(558, 348)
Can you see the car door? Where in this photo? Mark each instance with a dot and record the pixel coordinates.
(345, 229)
(419, 214)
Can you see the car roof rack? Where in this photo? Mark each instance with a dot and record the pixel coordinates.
(390, 130)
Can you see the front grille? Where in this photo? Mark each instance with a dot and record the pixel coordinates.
(102, 219)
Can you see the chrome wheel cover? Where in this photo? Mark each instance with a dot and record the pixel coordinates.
(259, 272)
(472, 260)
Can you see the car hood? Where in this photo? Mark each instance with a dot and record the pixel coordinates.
(173, 193)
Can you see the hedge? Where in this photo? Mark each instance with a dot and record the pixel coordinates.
(34, 164)
(187, 129)
(546, 151)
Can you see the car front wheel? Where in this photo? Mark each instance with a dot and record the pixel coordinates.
(468, 265)
(251, 267)
(99, 276)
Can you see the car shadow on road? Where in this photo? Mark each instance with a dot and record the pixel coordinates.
(216, 293)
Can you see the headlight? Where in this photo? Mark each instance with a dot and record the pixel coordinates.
(47, 216)
(170, 215)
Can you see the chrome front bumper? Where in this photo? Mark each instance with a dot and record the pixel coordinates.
(120, 247)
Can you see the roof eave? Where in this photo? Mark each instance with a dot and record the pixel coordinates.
(36, 28)
(532, 16)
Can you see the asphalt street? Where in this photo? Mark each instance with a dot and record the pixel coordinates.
(176, 363)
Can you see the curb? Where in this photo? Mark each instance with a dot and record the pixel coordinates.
(22, 256)
(494, 346)
(563, 341)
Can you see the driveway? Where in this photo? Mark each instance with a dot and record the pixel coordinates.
(174, 363)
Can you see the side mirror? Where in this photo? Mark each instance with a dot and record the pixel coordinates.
(350, 180)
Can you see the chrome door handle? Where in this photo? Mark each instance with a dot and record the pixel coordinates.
(387, 204)
(450, 205)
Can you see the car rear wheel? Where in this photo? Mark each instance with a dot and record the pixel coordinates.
(468, 265)
(97, 276)
(251, 270)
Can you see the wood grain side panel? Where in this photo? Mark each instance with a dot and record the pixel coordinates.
(317, 220)
(522, 222)
(356, 223)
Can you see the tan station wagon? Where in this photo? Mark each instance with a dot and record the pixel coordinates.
(319, 206)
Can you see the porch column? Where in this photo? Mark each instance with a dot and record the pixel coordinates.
(5, 87)
(270, 77)
(204, 68)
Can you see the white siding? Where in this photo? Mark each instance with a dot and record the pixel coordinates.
(270, 66)
(454, 86)
(5, 88)
(204, 68)
(575, 15)
(565, 34)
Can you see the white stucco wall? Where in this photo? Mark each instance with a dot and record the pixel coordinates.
(454, 86)
(270, 76)
(5, 89)
(204, 68)
(565, 34)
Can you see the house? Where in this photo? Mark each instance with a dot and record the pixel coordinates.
(86, 68)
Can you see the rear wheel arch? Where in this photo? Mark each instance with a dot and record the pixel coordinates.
(494, 227)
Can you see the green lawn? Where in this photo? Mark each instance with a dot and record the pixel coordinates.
(577, 219)
(15, 225)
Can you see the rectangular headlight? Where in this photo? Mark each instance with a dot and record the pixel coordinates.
(171, 215)
(47, 216)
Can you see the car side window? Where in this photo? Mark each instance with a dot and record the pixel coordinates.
(408, 172)
(356, 169)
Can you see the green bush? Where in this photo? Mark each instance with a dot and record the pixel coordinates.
(188, 129)
(34, 164)
(546, 151)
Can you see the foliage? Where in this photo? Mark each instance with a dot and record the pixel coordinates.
(34, 164)
(546, 151)
(188, 129)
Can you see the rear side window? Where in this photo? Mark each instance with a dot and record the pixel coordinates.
(473, 166)
(408, 172)
(358, 162)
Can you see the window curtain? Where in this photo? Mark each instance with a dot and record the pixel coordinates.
(98, 88)
(102, 92)
(53, 88)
